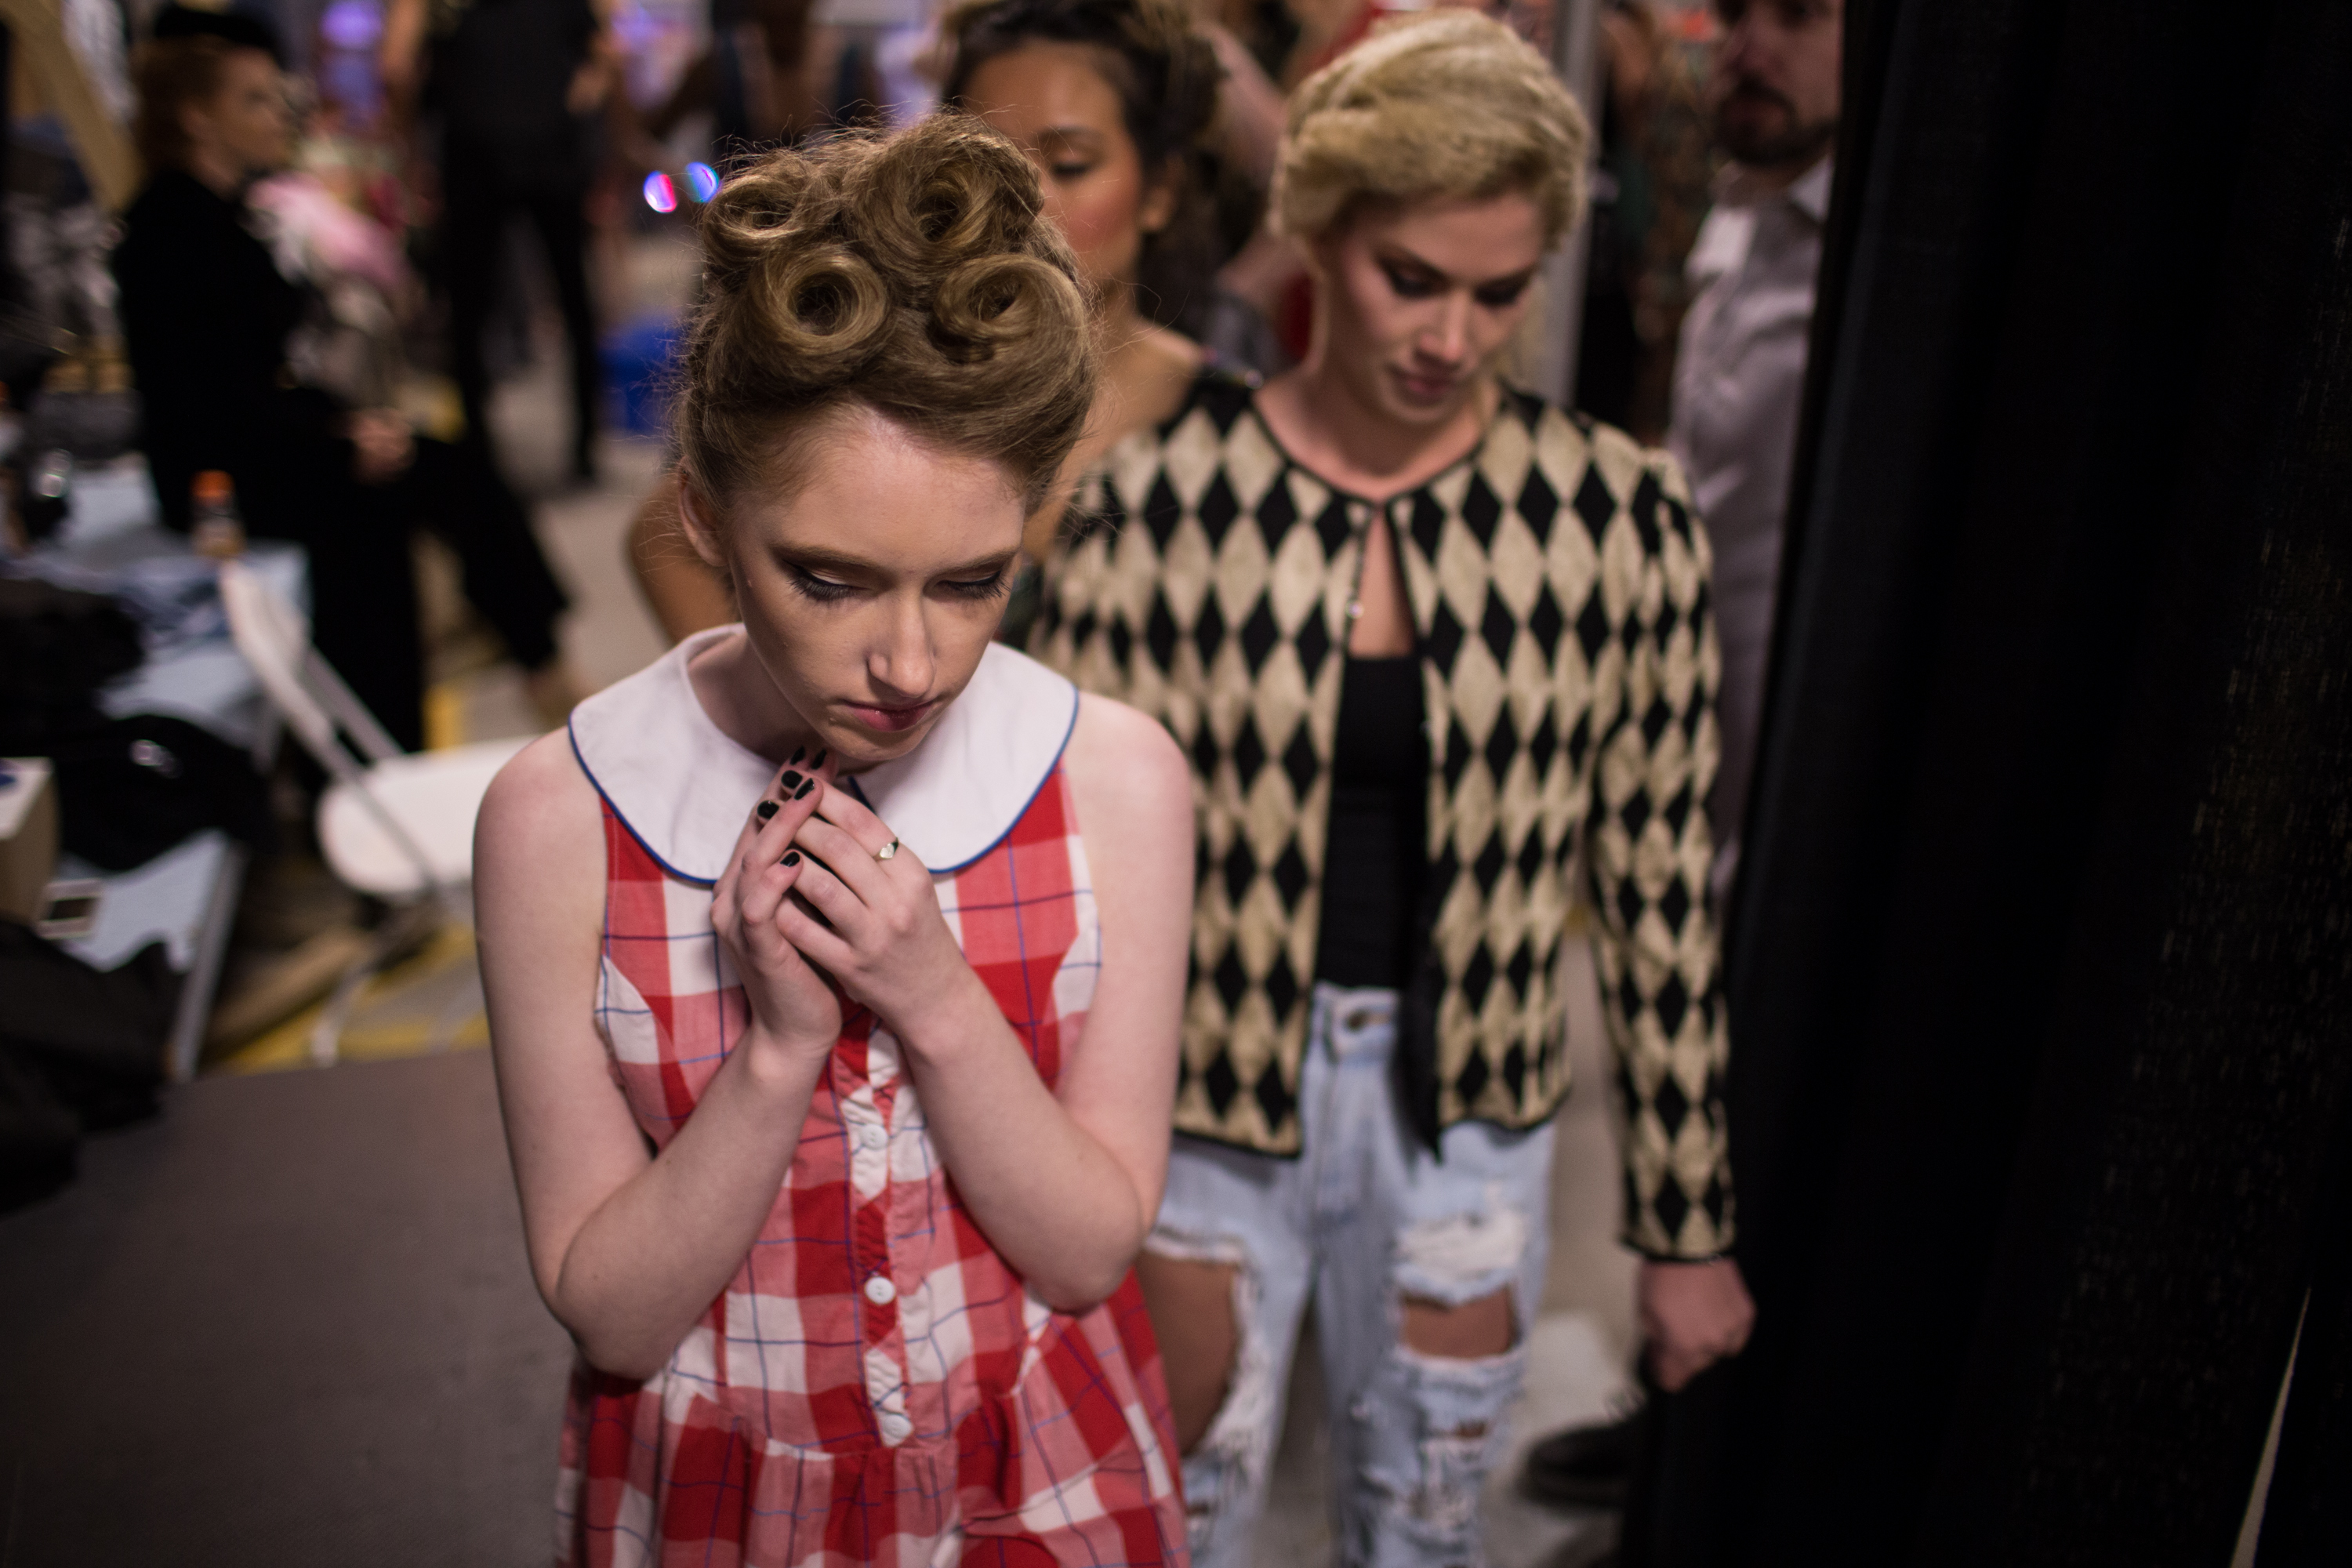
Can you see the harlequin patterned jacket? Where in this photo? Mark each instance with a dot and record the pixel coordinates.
(1557, 582)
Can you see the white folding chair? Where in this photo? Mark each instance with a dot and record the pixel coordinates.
(397, 824)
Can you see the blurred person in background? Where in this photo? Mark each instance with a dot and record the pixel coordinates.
(1434, 649)
(1651, 189)
(770, 76)
(515, 88)
(1738, 384)
(1109, 99)
(1740, 376)
(215, 332)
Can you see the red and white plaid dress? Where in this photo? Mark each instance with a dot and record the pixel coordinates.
(875, 1384)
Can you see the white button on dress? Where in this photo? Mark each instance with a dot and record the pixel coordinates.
(896, 1428)
(874, 1135)
(880, 1291)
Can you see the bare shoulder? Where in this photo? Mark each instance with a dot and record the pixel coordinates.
(1124, 763)
(541, 817)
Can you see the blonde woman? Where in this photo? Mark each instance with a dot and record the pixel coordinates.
(1434, 649)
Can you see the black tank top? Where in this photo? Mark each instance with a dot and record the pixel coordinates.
(1373, 857)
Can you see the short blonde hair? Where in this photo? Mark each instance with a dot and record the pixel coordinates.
(1444, 104)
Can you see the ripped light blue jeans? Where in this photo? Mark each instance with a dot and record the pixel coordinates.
(1364, 1217)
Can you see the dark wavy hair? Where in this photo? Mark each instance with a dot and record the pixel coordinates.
(1167, 78)
(912, 274)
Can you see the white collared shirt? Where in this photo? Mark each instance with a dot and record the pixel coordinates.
(1738, 382)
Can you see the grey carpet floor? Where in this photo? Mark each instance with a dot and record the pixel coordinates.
(291, 1322)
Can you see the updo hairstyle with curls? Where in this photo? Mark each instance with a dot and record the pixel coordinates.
(1167, 78)
(1446, 103)
(912, 274)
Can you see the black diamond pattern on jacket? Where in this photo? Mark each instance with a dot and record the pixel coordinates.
(1671, 1000)
(1538, 504)
(1221, 1084)
(1162, 511)
(1489, 865)
(1233, 982)
(1249, 753)
(1644, 509)
(1274, 1101)
(1217, 509)
(1159, 631)
(1209, 631)
(1282, 988)
(1472, 1081)
(1671, 1105)
(1428, 519)
(1332, 524)
(1444, 643)
(1481, 511)
(1259, 633)
(1299, 763)
(1241, 869)
(1502, 745)
(1592, 627)
(1458, 753)
(1275, 516)
(1544, 622)
(1290, 876)
(1499, 627)
(1523, 961)
(1314, 646)
(1594, 504)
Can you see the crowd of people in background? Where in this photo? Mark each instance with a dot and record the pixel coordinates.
(1312, 522)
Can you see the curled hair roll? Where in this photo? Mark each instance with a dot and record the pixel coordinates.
(825, 306)
(912, 274)
(963, 202)
(991, 303)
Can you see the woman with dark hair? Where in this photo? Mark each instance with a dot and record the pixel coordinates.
(833, 960)
(1441, 657)
(1110, 100)
(212, 329)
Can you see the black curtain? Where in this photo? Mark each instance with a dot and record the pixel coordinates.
(2041, 965)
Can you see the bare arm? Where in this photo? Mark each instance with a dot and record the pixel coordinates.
(1064, 1183)
(686, 596)
(628, 1250)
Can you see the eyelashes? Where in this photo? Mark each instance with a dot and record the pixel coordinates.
(824, 590)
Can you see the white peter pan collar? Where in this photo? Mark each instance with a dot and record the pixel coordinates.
(683, 788)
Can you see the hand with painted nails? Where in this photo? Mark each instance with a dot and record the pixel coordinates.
(872, 922)
(792, 1007)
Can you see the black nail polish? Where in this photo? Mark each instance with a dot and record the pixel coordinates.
(766, 809)
(818, 761)
(792, 857)
(791, 781)
(799, 752)
(803, 789)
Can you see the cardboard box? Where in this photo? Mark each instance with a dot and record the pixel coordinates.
(28, 836)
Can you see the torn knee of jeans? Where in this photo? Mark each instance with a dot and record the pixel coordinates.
(1241, 1434)
(1462, 1257)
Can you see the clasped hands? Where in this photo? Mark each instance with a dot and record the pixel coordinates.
(803, 897)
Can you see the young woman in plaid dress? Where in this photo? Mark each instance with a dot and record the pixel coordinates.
(835, 961)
